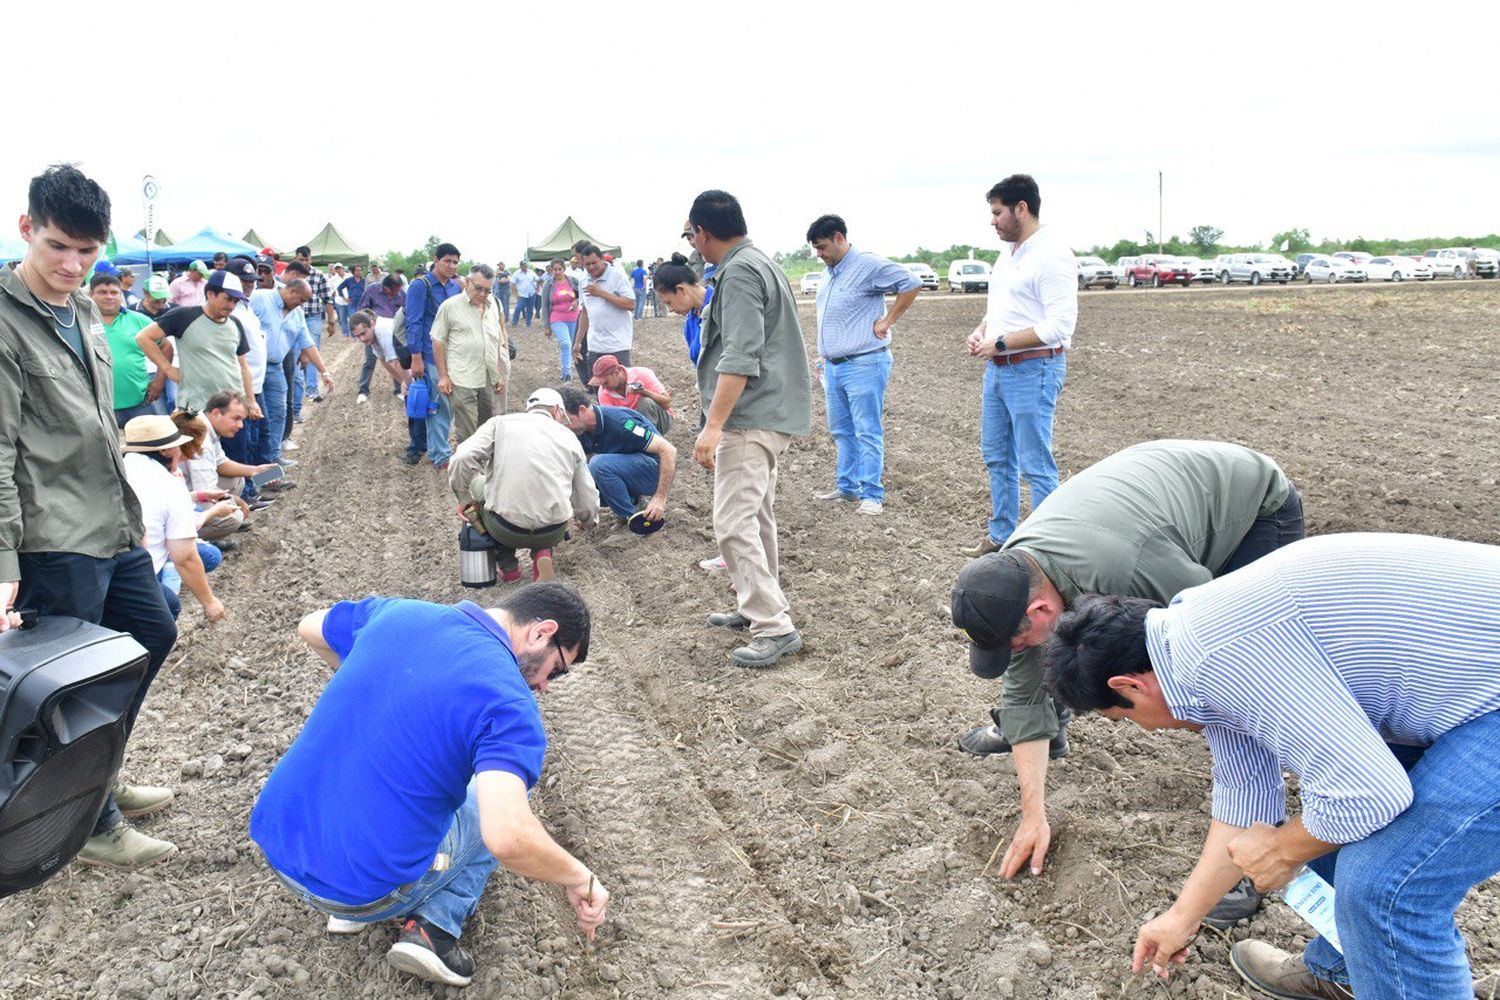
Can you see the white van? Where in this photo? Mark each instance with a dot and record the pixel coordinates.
(968, 276)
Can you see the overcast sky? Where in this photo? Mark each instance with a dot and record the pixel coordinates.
(487, 128)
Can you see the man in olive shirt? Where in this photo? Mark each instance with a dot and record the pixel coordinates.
(70, 526)
(1149, 521)
(469, 351)
(757, 393)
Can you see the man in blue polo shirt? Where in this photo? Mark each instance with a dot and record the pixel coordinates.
(628, 457)
(422, 300)
(409, 780)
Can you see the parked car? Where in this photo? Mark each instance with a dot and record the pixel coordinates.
(968, 276)
(1357, 257)
(1255, 268)
(1332, 270)
(1397, 269)
(1486, 263)
(923, 273)
(1123, 266)
(811, 282)
(1094, 271)
(1450, 262)
(1156, 270)
(1301, 262)
(1200, 269)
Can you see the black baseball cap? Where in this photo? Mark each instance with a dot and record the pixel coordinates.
(224, 281)
(241, 268)
(989, 599)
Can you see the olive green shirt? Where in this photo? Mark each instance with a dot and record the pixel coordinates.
(62, 478)
(750, 328)
(1149, 521)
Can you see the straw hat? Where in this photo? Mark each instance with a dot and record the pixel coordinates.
(152, 432)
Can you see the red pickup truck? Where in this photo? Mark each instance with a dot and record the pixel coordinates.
(1156, 270)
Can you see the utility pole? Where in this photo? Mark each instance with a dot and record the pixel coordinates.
(1159, 237)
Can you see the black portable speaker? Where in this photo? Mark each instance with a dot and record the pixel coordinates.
(65, 691)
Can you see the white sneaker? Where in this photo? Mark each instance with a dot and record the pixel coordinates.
(362, 398)
(870, 507)
(712, 565)
(839, 495)
(289, 445)
(338, 925)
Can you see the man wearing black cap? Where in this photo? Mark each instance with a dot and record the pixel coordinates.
(211, 344)
(1148, 521)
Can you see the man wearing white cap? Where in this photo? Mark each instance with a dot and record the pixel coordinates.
(521, 478)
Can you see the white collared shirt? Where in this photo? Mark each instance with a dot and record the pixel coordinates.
(1034, 285)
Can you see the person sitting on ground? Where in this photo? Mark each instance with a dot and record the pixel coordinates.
(451, 687)
(211, 531)
(636, 388)
(628, 457)
(521, 478)
(152, 447)
(211, 470)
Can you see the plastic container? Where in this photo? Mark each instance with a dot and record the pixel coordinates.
(1313, 900)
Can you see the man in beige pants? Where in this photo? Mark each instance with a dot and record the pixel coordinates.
(469, 348)
(757, 393)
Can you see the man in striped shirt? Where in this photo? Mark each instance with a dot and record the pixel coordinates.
(1369, 666)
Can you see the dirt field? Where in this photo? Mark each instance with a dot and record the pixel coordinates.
(812, 830)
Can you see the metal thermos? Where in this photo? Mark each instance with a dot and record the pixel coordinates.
(476, 558)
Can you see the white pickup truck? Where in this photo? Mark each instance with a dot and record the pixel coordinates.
(1449, 262)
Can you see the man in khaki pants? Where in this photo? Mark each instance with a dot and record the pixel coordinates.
(757, 394)
(469, 348)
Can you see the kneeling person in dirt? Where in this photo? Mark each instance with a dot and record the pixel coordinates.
(634, 388)
(520, 479)
(409, 781)
(1148, 521)
(629, 458)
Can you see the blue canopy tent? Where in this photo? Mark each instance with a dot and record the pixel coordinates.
(132, 249)
(12, 249)
(200, 247)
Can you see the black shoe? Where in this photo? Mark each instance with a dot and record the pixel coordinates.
(412, 458)
(246, 525)
(431, 953)
(280, 484)
(260, 503)
(983, 741)
(226, 544)
(1239, 903)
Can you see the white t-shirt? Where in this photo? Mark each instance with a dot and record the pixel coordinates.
(610, 327)
(255, 336)
(202, 473)
(385, 347)
(166, 507)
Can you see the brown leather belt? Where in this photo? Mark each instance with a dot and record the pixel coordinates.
(1017, 357)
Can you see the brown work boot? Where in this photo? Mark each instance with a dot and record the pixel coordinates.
(984, 548)
(1281, 974)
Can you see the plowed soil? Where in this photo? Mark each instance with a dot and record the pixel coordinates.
(809, 830)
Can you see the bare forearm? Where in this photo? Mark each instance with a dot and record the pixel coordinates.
(903, 302)
(727, 392)
(1213, 875)
(1021, 340)
(662, 399)
(190, 568)
(531, 852)
(440, 358)
(1031, 776)
(236, 470)
(668, 462)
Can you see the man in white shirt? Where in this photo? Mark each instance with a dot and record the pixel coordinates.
(212, 472)
(607, 323)
(1022, 340)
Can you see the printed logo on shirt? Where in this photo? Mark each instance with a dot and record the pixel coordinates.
(639, 430)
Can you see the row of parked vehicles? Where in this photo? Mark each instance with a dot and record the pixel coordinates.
(1157, 270)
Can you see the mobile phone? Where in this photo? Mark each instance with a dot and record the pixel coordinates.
(272, 474)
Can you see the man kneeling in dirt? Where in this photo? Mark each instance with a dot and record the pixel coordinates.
(409, 780)
(1148, 521)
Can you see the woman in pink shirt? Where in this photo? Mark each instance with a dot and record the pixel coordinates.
(560, 298)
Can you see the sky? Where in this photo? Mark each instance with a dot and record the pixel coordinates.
(486, 127)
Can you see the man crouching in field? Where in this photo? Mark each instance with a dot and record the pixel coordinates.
(409, 781)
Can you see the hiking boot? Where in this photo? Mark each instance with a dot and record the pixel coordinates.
(542, 569)
(141, 800)
(124, 847)
(982, 741)
(1239, 903)
(837, 495)
(728, 619)
(1281, 974)
(870, 507)
(431, 953)
(338, 925)
(765, 650)
(984, 548)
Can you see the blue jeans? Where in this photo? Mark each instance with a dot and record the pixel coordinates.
(855, 391)
(1269, 533)
(523, 305)
(640, 302)
(343, 314)
(623, 479)
(309, 373)
(502, 292)
(1399, 888)
(565, 332)
(121, 593)
(142, 409)
(1015, 435)
(273, 392)
(438, 448)
(446, 898)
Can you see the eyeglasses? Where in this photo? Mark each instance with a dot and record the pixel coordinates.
(562, 660)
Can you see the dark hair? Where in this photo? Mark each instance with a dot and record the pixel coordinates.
(221, 255)
(825, 226)
(1015, 189)
(103, 278)
(390, 281)
(578, 246)
(303, 250)
(1103, 636)
(575, 400)
(445, 250)
(297, 267)
(221, 400)
(639, 262)
(557, 602)
(678, 272)
(63, 197)
(719, 213)
(587, 250)
(363, 317)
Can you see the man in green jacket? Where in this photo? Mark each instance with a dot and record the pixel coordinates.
(1149, 521)
(70, 526)
(757, 393)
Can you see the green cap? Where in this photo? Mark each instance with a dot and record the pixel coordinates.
(156, 287)
(200, 267)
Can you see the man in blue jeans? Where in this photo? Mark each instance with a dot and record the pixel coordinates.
(409, 780)
(638, 282)
(854, 356)
(1022, 340)
(628, 457)
(1366, 665)
(423, 297)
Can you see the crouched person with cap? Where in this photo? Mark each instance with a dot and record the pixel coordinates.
(409, 781)
(520, 479)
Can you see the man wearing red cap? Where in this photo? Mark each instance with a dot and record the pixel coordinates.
(637, 388)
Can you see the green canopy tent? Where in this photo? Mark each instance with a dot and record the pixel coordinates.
(330, 247)
(560, 243)
(256, 240)
(162, 239)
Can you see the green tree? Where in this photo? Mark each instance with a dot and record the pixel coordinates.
(1205, 239)
(1292, 241)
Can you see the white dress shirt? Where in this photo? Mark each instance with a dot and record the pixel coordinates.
(1034, 285)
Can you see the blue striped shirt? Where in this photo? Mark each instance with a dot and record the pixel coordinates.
(852, 298)
(1313, 658)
